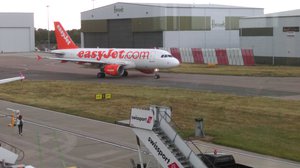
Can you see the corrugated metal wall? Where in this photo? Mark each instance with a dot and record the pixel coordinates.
(274, 40)
(94, 40)
(120, 33)
(15, 40)
(148, 40)
(16, 32)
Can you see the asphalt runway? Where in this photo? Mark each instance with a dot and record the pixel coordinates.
(285, 88)
(53, 139)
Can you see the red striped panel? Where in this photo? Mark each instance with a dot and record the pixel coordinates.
(219, 56)
(222, 56)
(251, 57)
(198, 55)
(176, 53)
(245, 57)
(248, 57)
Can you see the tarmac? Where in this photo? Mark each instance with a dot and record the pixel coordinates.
(277, 87)
(53, 139)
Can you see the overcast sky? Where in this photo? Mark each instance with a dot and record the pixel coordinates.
(68, 11)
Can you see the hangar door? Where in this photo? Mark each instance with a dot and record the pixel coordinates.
(15, 40)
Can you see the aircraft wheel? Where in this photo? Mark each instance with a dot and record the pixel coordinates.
(101, 75)
(125, 74)
(156, 76)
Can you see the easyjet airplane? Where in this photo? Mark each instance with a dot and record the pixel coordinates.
(112, 61)
(7, 80)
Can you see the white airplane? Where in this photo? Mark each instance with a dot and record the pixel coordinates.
(112, 61)
(7, 80)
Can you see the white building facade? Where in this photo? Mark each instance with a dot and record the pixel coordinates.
(274, 38)
(16, 32)
(163, 25)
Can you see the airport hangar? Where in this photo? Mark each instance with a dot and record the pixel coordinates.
(139, 25)
(16, 32)
(274, 38)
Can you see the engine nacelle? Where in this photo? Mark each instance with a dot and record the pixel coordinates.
(114, 70)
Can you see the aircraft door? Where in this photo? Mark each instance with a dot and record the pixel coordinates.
(152, 56)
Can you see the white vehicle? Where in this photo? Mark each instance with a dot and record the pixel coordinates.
(7, 80)
(112, 61)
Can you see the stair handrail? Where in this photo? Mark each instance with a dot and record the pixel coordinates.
(174, 124)
(213, 166)
(178, 128)
(20, 152)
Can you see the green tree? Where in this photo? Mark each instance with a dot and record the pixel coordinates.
(41, 38)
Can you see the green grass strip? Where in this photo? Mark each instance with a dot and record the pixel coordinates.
(263, 125)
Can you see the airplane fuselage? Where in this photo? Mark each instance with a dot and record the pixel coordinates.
(130, 58)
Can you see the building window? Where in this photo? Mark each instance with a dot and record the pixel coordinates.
(267, 31)
(232, 23)
(171, 23)
(290, 29)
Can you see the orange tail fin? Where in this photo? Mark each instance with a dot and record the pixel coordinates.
(63, 39)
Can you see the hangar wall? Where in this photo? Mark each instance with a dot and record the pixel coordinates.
(164, 25)
(16, 32)
(274, 38)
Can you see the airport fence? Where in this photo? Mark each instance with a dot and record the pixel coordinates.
(220, 56)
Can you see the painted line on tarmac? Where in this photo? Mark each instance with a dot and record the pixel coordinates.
(77, 134)
(82, 136)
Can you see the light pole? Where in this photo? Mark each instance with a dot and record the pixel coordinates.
(48, 28)
(93, 8)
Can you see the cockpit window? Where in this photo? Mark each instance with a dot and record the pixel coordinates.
(165, 56)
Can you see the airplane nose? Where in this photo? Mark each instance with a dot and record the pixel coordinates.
(176, 62)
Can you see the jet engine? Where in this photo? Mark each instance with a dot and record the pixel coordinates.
(114, 70)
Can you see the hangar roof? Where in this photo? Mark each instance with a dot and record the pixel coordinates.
(291, 13)
(176, 5)
(121, 10)
(285, 13)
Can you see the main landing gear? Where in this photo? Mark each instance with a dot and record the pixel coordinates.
(125, 73)
(101, 74)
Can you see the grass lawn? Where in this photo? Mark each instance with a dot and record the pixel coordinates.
(258, 124)
(258, 70)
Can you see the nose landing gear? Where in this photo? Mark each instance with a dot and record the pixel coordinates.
(156, 75)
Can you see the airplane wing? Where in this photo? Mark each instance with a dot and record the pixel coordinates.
(123, 63)
(2, 81)
(60, 57)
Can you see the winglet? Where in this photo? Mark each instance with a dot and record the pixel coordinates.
(63, 39)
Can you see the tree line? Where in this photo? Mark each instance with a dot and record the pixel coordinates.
(41, 38)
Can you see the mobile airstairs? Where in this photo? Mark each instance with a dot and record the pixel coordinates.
(153, 127)
(10, 155)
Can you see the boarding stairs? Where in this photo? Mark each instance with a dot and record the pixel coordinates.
(10, 155)
(153, 127)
